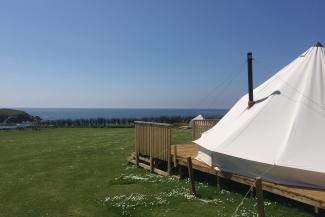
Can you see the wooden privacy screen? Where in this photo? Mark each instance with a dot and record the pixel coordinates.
(200, 126)
(153, 140)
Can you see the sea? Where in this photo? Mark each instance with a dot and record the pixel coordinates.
(110, 113)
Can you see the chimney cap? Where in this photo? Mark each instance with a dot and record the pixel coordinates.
(318, 44)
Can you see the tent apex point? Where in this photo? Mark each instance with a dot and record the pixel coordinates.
(318, 44)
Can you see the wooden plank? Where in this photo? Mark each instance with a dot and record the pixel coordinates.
(136, 143)
(168, 150)
(147, 167)
(183, 162)
(145, 159)
(152, 124)
(200, 126)
(292, 194)
(193, 131)
(148, 136)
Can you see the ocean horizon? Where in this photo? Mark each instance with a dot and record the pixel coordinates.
(111, 113)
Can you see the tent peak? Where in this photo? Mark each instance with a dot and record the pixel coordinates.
(318, 44)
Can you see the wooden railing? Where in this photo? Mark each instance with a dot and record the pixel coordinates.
(153, 141)
(200, 126)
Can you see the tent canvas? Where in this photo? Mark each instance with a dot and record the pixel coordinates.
(199, 117)
(282, 137)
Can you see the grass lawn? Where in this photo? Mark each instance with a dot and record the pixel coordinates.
(83, 172)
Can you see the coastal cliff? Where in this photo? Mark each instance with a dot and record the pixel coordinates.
(13, 116)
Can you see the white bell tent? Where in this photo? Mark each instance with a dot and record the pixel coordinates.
(281, 138)
(199, 117)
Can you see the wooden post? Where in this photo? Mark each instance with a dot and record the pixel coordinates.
(137, 159)
(151, 163)
(218, 183)
(180, 171)
(169, 150)
(136, 138)
(259, 197)
(190, 174)
(316, 210)
(151, 151)
(193, 130)
(169, 165)
(175, 155)
(252, 194)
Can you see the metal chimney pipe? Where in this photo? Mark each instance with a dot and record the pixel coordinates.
(250, 79)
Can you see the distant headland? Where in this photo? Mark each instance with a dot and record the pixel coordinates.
(13, 116)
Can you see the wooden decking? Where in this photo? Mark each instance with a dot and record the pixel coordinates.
(153, 147)
(184, 151)
(313, 197)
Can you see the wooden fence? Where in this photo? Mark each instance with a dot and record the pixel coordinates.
(153, 142)
(200, 126)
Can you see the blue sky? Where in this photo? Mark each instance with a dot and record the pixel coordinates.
(146, 53)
